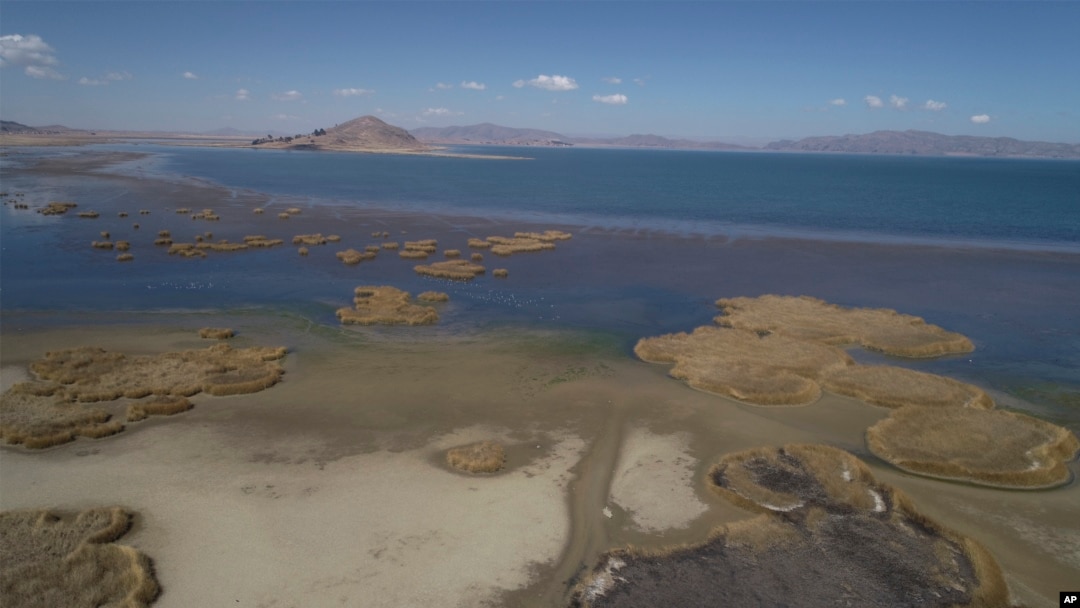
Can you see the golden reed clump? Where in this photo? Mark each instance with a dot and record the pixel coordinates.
(500, 273)
(216, 333)
(353, 257)
(986, 447)
(433, 296)
(303, 251)
(309, 239)
(476, 243)
(165, 405)
(822, 515)
(412, 254)
(57, 208)
(385, 306)
(70, 559)
(809, 318)
(93, 215)
(102, 245)
(480, 457)
(509, 246)
(125, 257)
(894, 387)
(455, 270)
(389, 245)
(123, 245)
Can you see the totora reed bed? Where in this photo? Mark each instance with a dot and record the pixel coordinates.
(53, 559)
(893, 387)
(455, 270)
(216, 333)
(809, 318)
(826, 528)
(479, 457)
(48, 411)
(988, 447)
(385, 306)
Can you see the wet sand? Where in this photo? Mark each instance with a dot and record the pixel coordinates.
(332, 486)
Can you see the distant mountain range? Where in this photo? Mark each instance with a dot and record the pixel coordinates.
(927, 143)
(878, 142)
(10, 126)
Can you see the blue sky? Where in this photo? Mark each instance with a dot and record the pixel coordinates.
(700, 69)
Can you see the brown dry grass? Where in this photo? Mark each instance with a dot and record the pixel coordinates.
(433, 296)
(763, 370)
(293, 210)
(258, 210)
(500, 273)
(39, 415)
(55, 559)
(505, 246)
(93, 215)
(175, 248)
(222, 245)
(809, 318)
(104, 234)
(476, 243)
(57, 208)
(283, 215)
(309, 239)
(125, 257)
(158, 406)
(164, 234)
(389, 245)
(144, 212)
(988, 447)
(123, 245)
(333, 238)
(827, 529)
(373, 249)
(216, 333)
(262, 241)
(452, 253)
(480, 457)
(425, 245)
(455, 270)
(163, 241)
(183, 210)
(411, 254)
(385, 306)
(547, 235)
(477, 257)
(302, 251)
(352, 256)
(895, 387)
(102, 245)
(122, 214)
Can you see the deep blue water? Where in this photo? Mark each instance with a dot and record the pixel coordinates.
(1035, 202)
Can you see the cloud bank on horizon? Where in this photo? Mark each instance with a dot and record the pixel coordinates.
(695, 69)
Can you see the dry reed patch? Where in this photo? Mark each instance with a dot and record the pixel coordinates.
(57, 208)
(455, 270)
(125, 257)
(93, 215)
(762, 370)
(183, 210)
(809, 318)
(987, 447)
(69, 559)
(222, 245)
(102, 245)
(164, 234)
(351, 256)
(163, 241)
(157, 406)
(411, 254)
(452, 253)
(303, 251)
(206, 214)
(385, 306)
(259, 240)
(479, 457)
(433, 296)
(293, 211)
(373, 249)
(258, 210)
(144, 212)
(500, 273)
(895, 387)
(309, 239)
(283, 215)
(93, 374)
(477, 257)
(40, 415)
(380, 234)
(476, 243)
(547, 235)
(505, 246)
(216, 333)
(123, 245)
(389, 245)
(104, 234)
(876, 551)
(175, 248)
(333, 238)
(425, 245)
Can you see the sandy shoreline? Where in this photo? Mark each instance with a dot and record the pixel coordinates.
(331, 486)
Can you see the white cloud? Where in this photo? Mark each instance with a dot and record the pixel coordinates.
(115, 76)
(472, 84)
(612, 80)
(900, 103)
(500, 97)
(617, 99)
(91, 82)
(110, 77)
(190, 76)
(439, 112)
(352, 92)
(839, 101)
(873, 101)
(31, 52)
(243, 95)
(292, 95)
(286, 117)
(550, 83)
(639, 82)
(934, 106)
(980, 119)
(442, 86)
